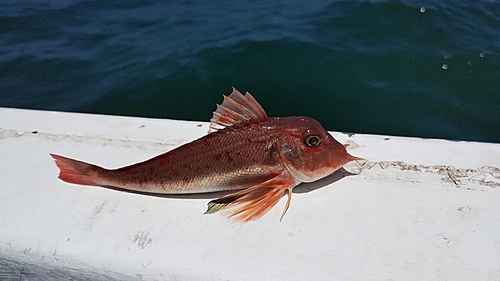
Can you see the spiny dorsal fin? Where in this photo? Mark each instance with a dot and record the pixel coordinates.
(237, 110)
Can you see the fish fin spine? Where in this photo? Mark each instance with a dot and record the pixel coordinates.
(76, 172)
(237, 110)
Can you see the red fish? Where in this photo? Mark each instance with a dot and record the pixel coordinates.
(244, 150)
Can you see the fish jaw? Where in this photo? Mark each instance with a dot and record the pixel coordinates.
(308, 175)
(308, 162)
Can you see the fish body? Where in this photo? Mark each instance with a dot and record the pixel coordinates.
(245, 150)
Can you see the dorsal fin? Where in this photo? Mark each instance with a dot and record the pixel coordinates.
(237, 110)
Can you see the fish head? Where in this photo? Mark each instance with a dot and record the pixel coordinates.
(308, 151)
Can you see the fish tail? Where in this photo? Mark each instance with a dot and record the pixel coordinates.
(77, 172)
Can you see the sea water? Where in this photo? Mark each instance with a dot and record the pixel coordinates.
(427, 69)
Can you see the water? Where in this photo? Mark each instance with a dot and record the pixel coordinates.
(411, 68)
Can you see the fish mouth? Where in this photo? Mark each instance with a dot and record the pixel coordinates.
(312, 176)
(319, 173)
(299, 176)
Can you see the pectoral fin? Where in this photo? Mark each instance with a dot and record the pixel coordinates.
(253, 202)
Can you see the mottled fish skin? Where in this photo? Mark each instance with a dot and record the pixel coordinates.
(225, 160)
(245, 150)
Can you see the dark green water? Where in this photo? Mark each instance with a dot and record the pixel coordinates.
(412, 68)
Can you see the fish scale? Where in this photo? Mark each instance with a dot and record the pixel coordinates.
(211, 163)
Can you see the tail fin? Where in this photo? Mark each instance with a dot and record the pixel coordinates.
(77, 172)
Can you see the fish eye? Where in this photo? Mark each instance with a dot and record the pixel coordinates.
(313, 141)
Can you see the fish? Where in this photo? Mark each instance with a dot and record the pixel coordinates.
(258, 157)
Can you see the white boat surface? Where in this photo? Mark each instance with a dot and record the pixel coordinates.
(417, 209)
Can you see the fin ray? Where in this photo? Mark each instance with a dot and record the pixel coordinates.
(254, 202)
(76, 172)
(237, 110)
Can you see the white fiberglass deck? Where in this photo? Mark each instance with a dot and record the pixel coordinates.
(419, 209)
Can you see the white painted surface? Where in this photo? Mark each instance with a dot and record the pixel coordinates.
(418, 210)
